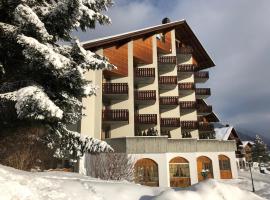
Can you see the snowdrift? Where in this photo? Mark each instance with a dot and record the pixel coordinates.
(20, 185)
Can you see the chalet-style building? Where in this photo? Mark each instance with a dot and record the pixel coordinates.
(247, 145)
(229, 133)
(152, 109)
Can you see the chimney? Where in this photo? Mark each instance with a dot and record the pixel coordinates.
(166, 20)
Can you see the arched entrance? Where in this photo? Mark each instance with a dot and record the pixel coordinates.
(225, 167)
(179, 172)
(146, 172)
(204, 164)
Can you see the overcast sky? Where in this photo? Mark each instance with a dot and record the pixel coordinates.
(236, 34)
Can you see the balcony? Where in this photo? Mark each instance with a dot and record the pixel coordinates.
(167, 59)
(184, 50)
(167, 82)
(186, 68)
(203, 109)
(145, 97)
(144, 75)
(115, 90)
(189, 124)
(115, 116)
(186, 86)
(170, 122)
(188, 105)
(146, 119)
(205, 127)
(201, 77)
(168, 101)
(202, 93)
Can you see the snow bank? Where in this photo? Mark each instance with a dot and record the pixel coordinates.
(19, 185)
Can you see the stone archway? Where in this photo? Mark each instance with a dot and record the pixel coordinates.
(146, 172)
(179, 172)
(225, 167)
(204, 163)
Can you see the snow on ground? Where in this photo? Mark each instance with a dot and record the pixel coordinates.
(20, 185)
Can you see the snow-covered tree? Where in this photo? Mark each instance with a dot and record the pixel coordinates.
(259, 150)
(42, 81)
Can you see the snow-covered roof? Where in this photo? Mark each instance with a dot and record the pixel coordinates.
(223, 133)
(247, 142)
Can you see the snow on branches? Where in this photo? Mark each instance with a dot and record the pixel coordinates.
(44, 80)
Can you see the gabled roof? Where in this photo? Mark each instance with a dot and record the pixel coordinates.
(182, 30)
(247, 143)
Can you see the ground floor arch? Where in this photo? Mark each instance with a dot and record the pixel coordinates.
(225, 167)
(146, 172)
(204, 164)
(179, 172)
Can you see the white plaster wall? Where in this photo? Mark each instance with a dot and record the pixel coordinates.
(91, 123)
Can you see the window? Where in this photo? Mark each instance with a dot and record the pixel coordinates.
(179, 170)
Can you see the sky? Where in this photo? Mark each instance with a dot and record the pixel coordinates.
(236, 34)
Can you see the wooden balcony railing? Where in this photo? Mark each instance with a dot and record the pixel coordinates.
(186, 86)
(115, 88)
(146, 119)
(186, 68)
(145, 95)
(189, 124)
(168, 100)
(203, 91)
(202, 74)
(144, 72)
(167, 80)
(204, 108)
(188, 104)
(115, 115)
(204, 126)
(184, 50)
(170, 122)
(167, 59)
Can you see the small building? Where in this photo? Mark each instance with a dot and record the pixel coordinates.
(152, 108)
(229, 133)
(247, 145)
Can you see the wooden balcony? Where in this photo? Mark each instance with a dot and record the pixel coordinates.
(170, 122)
(187, 104)
(145, 97)
(186, 68)
(115, 90)
(167, 59)
(146, 119)
(203, 109)
(189, 124)
(201, 76)
(144, 75)
(168, 101)
(202, 93)
(115, 115)
(186, 86)
(184, 50)
(167, 82)
(205, 127)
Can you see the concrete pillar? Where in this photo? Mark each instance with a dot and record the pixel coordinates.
(163, 171)
(215, 163)
(193, 169)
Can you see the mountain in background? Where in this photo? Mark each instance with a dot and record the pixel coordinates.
(250, 135)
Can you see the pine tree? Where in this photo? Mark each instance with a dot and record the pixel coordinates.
(42, 81)
(259, 150)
